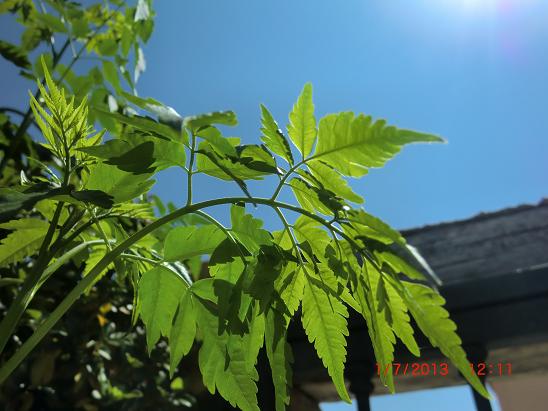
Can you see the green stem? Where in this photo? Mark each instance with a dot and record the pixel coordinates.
(102, 233)
(63, 259)
(285, 177)
(226, 231)
(141, 258)
(24, 296)
(95, 272)
(190, 170)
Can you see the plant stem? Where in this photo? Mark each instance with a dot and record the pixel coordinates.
(285, 177)
(226, 231)
(19, 305)
(62, 260)
(190, 170)
(95, 272)
(141, 258)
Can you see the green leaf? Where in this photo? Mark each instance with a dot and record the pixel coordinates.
(399, 320)
(233, 305)
(334, 284)
(267, 269)
(331, 180)
(183, 331)
(144, 124)
(308, 197)
(251, 162)
(248, 230)
(280, 357)
(14, 54)
(273, 137)
(142, 154)
(12, 201)
(290, 287)
(107, 47)
(369, 144)
(118, 184)
(111, 74)
(144, 103)
(302, 123)
(372, 299)
(399, 265)
(51, 22)
(308, 230)
(361, 224)
(217, 141)
(95, 255)
(24, 240)
(160, 291)
(223, 362)
(324, 321)
(134, 210)
(189, 241)
(426, 306)
(257, 158)
(95, 197)
(254, 340)
(228, 118)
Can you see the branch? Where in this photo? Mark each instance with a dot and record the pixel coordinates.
(95, 272)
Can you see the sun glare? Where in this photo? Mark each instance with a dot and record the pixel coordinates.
(485, 6)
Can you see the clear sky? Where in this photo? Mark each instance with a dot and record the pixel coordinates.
(472, 71)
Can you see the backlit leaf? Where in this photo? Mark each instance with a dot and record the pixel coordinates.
(24, 240)
(302, 123)
(324, 321)
(159, 294)
(369, 144)
(120, 185)
(183, 331)
(189, 241)
(273, 137)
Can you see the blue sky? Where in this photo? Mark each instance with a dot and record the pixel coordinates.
(472, 71)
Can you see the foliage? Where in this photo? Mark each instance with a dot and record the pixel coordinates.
(85, 204)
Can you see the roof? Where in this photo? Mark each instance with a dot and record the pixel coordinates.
(488, 244)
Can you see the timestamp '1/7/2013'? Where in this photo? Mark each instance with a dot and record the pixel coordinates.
(423, 369)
